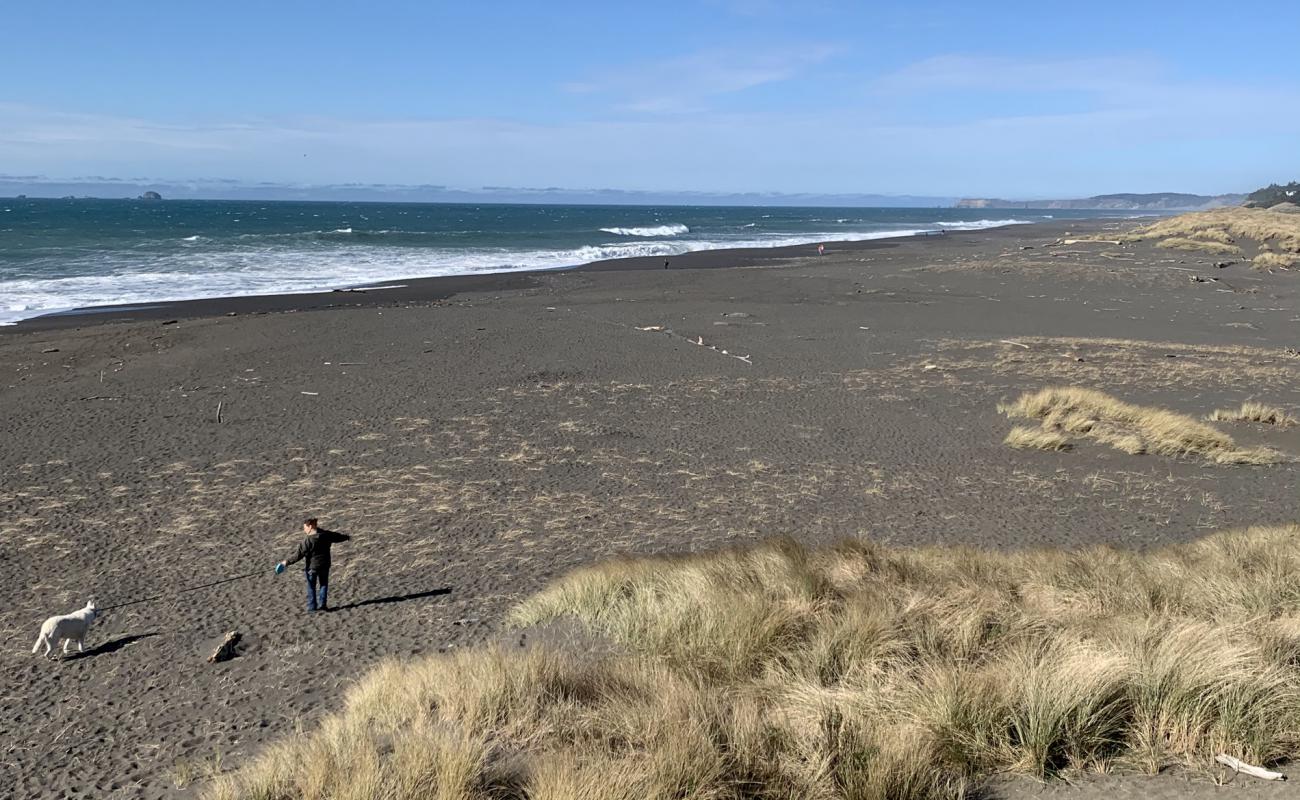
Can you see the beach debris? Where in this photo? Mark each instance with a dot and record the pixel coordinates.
(219, 405)
(1224, 264)
(1059, 242)
(171, 322)
(652, 328)
(1014, 342)
(929, 367)
(737, 314)
(312, 394)
(863, 328)
(466, 621)
(1237, 765)
(226, 650)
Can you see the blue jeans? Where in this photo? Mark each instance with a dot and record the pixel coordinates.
(317, 588)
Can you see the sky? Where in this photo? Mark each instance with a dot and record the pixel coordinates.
(992, 99)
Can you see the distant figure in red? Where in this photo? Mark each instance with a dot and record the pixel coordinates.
(821, 249)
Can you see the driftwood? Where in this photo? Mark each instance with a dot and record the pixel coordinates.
(1237, 765)
(225, 650)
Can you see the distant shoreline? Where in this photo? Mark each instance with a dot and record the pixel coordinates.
(430, 289)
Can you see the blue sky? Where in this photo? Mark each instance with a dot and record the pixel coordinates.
(947, 98)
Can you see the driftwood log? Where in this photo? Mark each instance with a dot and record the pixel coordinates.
(225, 650)
(1237, 765)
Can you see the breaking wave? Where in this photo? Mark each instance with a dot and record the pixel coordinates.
(654, 230)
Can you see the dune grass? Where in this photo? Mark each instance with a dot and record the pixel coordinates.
(1023, 438)
(1087, 413)
(1223, 228)
(854, 671)
(1271, 260)
(1255, 412)
(1184, 243)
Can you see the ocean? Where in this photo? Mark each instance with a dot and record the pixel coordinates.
(57, 255)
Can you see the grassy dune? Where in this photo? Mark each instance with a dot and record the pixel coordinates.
(1224, 230)
(1086, 413)
(856, 671)
(1185, 243)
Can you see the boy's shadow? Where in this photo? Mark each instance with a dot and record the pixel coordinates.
(397, 598)
(111, 646)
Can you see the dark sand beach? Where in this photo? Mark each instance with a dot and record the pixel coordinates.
(479, 436)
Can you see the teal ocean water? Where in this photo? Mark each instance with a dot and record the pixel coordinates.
(62, 254)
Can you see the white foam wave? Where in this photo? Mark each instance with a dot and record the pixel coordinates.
(194, 238)
(674, 229)
(132, 278)
(341, 230)
(981, 224)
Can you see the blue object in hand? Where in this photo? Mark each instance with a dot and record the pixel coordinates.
(279, 568)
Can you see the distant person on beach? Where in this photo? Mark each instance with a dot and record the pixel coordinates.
(821, 249)
(665, 263)
(315, 550)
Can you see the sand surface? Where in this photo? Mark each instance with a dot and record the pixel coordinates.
(478, 437)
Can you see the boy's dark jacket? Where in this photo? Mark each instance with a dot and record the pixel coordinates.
(315, 547)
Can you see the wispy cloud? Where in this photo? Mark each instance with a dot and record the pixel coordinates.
(958, 72)
(685, 83)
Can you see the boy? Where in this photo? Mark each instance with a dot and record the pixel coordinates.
(315, 548)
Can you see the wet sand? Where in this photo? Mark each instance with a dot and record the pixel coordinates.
(479, 436)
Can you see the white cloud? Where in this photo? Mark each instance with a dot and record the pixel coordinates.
(683, 84)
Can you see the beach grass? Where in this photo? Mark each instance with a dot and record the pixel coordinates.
(1023, 438)
(852, 671)
(1065, 411)
(1184, 243)
(1222, 228)
(1254, 412)
(1271, 260)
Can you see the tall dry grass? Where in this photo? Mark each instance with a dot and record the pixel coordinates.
(1088, 413)
(854, 671)
(1251, 411)
(1224, 227)
(1270, 260)
(1184, 243)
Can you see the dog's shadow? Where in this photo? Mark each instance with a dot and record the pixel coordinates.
(111, 646)
(397, 598)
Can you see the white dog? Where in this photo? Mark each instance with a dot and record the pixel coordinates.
(69, 627)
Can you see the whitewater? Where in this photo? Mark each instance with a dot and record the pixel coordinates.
(57, 255)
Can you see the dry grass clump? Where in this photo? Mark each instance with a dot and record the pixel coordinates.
(1255, 412)
(855, 671)
(1224, 227)
(1182, 243)
(1087, 413)
(1023, 438)
(1271, 260)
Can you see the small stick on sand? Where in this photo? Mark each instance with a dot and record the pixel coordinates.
(219, 404)
(1011, 341)
(1237, 765)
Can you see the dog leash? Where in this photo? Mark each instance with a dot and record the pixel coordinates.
(181, 591)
